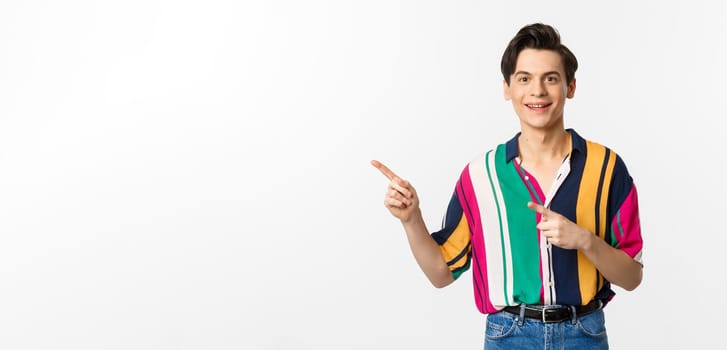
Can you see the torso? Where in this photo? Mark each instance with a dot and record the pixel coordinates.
(545, 169)
(544, 172)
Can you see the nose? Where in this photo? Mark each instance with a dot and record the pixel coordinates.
(538, 89)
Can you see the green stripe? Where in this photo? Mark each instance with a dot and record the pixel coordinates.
(620, 228)
(523, 234)
(614, 241)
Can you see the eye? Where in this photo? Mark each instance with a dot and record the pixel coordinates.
(551, 79)
(522, 79)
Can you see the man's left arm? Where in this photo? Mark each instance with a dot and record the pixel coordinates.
(615, 264)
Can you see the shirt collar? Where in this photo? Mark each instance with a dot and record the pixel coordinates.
(577, 142)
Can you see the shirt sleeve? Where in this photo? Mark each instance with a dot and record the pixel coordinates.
(454, 238)
(625, 226)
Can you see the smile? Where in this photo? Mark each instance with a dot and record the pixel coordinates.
(537, 105)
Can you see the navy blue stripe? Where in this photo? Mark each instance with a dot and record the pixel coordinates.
(597, 212)
(451, 221)
(565, 261)
(599, 193)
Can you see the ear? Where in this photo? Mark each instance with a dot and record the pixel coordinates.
(571, 88)
(506, 90)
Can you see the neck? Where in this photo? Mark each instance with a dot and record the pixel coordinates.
(538, 145)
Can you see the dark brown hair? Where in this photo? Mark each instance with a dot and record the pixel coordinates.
(542, 37)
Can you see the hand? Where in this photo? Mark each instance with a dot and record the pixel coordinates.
(401, 199)
(560, 231)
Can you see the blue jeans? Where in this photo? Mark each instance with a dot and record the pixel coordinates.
(508, 331)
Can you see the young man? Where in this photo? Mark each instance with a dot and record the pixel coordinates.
(546, 221)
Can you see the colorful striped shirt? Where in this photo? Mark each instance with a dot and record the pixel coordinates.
(489, 228)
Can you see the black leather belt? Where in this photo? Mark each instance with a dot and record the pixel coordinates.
(555, 313)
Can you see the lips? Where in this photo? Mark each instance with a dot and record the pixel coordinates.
(538, 107)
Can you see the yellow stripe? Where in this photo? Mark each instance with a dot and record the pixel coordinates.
(585, 210)
(456, 243)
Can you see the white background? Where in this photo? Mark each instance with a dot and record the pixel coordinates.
(195, 174)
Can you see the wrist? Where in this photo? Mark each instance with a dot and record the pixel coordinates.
(416, 215)
(588, 241)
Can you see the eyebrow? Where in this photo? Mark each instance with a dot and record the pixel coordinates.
(546, 73)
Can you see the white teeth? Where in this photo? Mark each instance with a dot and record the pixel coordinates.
(536, 106)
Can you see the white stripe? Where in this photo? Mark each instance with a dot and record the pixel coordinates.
(546, 269)
(491, 231)
(505, 230)
(563, 172)
(546, 252)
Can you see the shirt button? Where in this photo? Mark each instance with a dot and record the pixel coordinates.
(527, 178)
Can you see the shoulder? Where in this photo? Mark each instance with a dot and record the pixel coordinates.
(499, 154)
(596, 151)
(475, 164)
(611, 163)
(483, 157)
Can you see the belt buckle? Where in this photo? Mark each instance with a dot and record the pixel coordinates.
(545, 311)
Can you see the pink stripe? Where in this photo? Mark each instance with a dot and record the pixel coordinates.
(468, 201)
(538, 191)
(630, 241)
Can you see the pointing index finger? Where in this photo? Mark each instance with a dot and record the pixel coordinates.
(537, 207)
(383, 169)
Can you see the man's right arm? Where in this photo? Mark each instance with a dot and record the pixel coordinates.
(403, 203)
(426, 251)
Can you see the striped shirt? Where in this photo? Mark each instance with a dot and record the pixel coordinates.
(489, 228)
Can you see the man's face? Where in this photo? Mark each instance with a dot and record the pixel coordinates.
(538, 89)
